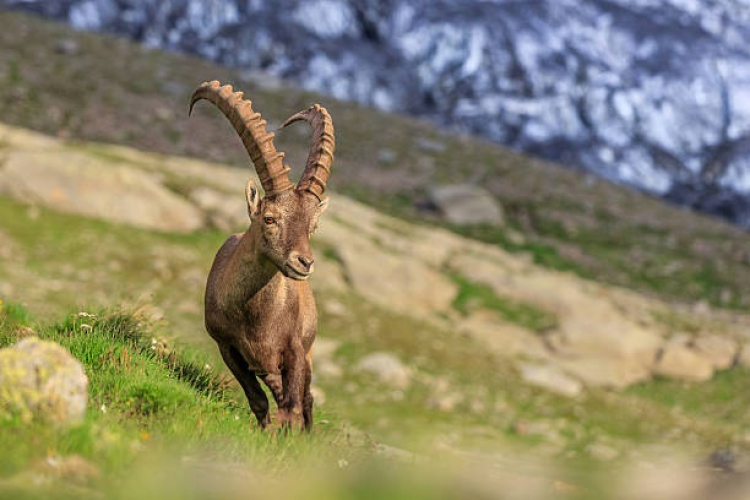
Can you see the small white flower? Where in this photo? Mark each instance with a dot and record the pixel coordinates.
(103, 408)
(343, 463)
(236, 417)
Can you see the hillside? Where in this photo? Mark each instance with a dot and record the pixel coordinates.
(600, 85)
(586, 334)
(93, 87)
(429, 342)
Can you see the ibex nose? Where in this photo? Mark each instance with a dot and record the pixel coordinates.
(306, 262)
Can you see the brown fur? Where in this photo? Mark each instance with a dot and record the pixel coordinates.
(259, 307)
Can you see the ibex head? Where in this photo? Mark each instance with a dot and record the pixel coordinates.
(285, 218)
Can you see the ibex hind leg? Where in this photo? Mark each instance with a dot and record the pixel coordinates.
(253, 391)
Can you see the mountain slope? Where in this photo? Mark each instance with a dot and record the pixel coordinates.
(101, 88)
(648, 94)
(485, 350)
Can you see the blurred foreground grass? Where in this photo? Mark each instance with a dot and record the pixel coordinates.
(161, 424)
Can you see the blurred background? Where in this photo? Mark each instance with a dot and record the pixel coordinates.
(533, 280)
(653, 95)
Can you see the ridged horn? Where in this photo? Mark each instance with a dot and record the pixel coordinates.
(323, 143)
(258, 142)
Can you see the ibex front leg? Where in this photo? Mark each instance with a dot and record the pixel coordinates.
(288, 391)
(253, 391)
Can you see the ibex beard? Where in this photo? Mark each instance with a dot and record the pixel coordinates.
(259, 307)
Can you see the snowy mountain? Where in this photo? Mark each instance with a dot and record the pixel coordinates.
(651, 93)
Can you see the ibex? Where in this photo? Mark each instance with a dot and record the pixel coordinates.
(259, 308)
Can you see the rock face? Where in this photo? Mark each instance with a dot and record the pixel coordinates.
(602, 85)
(719, 351)
(41, 380)
(76, 182)
(466, 204)
(678, 360)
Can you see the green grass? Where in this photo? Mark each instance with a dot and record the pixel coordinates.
(725, 398)
(146, 400)
(472, 296)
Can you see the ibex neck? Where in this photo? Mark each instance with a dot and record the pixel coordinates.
(248, 272)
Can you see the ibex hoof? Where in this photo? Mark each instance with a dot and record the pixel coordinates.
(290, 419)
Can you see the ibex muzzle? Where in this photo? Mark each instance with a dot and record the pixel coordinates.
(259, 307)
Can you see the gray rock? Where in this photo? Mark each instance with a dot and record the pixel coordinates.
(719, 351)
(429, 145)
(228, 213)
(387, 156)
(466, 204)
(679, 361)
(387, 368)
(445, 402)
(66, 47)
(41, 380)
(602, 452)
(379, 270)
(550, 378)
(82, 184)
(323, 351)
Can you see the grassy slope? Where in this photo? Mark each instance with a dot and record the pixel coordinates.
(145, 399)
(114, 91)
(494, 408)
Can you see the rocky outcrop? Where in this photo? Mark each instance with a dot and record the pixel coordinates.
(466, 204)
(41, 380)
(679, 360)
(70, 180)
(593, 334)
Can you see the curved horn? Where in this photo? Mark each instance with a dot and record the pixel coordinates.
(258, 142)
(323, 144)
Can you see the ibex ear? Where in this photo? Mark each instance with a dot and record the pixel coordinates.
(323, 205)
(252, 197)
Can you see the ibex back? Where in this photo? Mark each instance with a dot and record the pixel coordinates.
(259, 307)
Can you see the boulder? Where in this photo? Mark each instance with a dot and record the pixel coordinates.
(616, 372)
(719, 351)
(550, 378)
(41, 380)
(387, 368)
(382, 274)
(596, 340)
(679, 361)
(466, 204)
(227, 213)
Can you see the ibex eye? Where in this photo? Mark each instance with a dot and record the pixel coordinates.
(270, 220)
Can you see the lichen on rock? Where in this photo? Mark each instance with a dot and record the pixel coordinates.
(41, 380)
